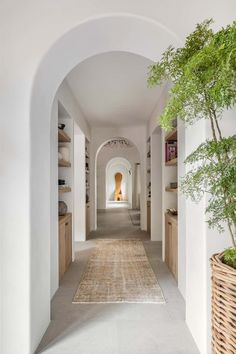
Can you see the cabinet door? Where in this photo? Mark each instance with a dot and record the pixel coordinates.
(170, 248)
(167, 241)
(175, 250)
(68, 242)
(62, 265)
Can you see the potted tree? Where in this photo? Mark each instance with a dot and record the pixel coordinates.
(203, 76)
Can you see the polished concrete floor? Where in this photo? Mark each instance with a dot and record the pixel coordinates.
(117, 328)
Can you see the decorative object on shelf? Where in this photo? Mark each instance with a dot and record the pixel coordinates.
(61, 182)
(61, 126)
(87, 198)
(171, 150)
(118, 143)
(172, 211)
(65, 152)
(204, 81)
(62, 208)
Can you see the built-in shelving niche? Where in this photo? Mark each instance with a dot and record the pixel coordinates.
(87, 184)
(148, 178)
(65, 167)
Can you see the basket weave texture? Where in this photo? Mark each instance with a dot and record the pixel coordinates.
(223, 307)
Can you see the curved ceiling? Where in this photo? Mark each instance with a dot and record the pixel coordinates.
(111, 89)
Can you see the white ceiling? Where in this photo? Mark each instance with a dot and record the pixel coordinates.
(111, 89)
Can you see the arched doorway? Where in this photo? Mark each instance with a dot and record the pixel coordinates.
(119, 189)
(108, 33)
(29, 259)
(107, 156)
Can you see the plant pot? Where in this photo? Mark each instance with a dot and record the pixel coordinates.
(223, 306)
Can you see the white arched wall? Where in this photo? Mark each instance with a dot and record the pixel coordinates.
(123, 166)
(43, 60)
(27, 264)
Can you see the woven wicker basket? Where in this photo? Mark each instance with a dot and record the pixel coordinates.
(223, 307)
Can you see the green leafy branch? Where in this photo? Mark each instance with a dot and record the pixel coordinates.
(203, 76)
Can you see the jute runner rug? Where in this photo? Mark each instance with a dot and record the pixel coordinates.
(119, 271)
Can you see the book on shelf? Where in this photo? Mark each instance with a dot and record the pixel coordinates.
(171, 150)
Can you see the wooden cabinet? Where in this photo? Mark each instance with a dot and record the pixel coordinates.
(171, 244)
(65, 243)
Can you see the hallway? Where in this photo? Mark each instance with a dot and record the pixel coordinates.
(117, 328)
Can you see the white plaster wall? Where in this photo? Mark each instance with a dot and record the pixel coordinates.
(156, 186)
(79, 186)
(195, 253)
(54, 275)
(181, 212)
(137, 186)
(137, 135)
(29, 80)
(201, 243)
(104, 156)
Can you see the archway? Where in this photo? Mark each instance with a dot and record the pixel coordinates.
(107, 33)
(119, 168)
(28, 262)
(104, 156)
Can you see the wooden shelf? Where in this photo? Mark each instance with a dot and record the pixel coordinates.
(172, 190)
(63, 163)
(64, 190)
(172, 162)
(172, 135)
(63, 137)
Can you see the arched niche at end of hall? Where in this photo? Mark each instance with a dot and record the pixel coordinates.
(119, 165)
